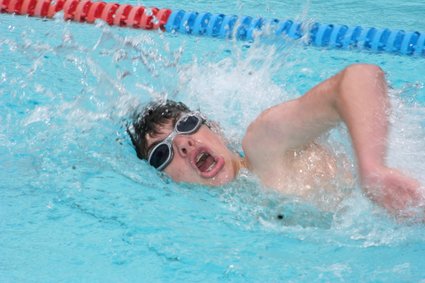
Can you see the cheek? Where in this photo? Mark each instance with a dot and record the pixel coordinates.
(179, 171)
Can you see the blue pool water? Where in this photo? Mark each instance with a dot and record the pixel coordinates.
(76, 205)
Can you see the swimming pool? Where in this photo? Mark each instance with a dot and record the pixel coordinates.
(77, 205)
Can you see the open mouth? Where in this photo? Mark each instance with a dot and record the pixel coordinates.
(207, 164)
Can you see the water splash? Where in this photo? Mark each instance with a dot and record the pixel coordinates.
(407, 133)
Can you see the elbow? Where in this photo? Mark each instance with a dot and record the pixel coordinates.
(361, 77)
(360, 82)
(363, 72)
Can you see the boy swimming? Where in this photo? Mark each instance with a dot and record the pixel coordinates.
(279, 145)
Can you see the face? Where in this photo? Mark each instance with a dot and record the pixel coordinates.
(201, 157)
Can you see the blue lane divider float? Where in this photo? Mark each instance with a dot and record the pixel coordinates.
(321, 35)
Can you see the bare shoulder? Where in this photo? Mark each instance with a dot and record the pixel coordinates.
(268, 136)
(293, 124)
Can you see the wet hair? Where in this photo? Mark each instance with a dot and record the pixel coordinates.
(149, 120)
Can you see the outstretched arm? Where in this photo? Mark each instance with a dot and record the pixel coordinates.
(358, 97)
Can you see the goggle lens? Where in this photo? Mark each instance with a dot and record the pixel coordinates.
(160, 155)
(187, 125)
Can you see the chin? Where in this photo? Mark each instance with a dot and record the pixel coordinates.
(222, 179)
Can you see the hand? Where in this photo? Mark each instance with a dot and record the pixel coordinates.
(401, 195)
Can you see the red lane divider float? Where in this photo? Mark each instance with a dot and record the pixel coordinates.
(95, 11)
(88, 11)
(55, 7)
(82, 10)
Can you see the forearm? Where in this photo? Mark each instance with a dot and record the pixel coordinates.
(362, 103)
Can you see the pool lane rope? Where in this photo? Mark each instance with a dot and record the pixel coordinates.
(222, 26)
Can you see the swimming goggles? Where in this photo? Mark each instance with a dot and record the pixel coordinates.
(162, 154)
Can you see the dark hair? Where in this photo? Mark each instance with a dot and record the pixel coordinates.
(147, 121)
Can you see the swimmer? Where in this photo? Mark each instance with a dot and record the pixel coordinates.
(280, 146)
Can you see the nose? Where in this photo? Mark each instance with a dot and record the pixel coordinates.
(184, 144)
